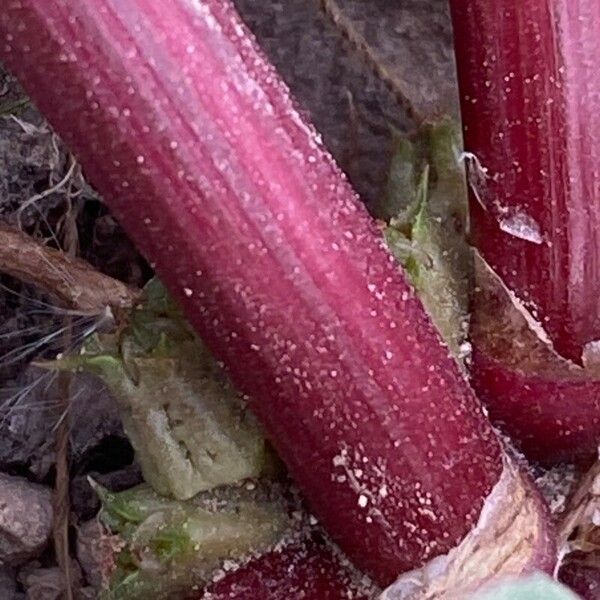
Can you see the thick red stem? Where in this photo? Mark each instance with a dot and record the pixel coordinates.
(530, 96)
(200, 152)
(529, 86)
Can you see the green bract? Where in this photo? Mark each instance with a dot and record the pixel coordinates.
(426, 207)
(171, 546)
(190, 428)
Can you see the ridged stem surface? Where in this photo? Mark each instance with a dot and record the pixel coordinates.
(199, 151)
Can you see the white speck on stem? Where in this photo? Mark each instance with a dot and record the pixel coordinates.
(522, 226)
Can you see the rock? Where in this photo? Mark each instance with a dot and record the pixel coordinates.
(96, 551)
(25, 519)
(413, 38)
(27, 426)
(47, 583)
(8, 584)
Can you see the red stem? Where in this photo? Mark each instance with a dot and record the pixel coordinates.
(553, 417)
(529, 84)
(302, 570)
(194, 141)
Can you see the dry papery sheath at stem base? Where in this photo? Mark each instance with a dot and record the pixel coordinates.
(529, 84)
(200, 152)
